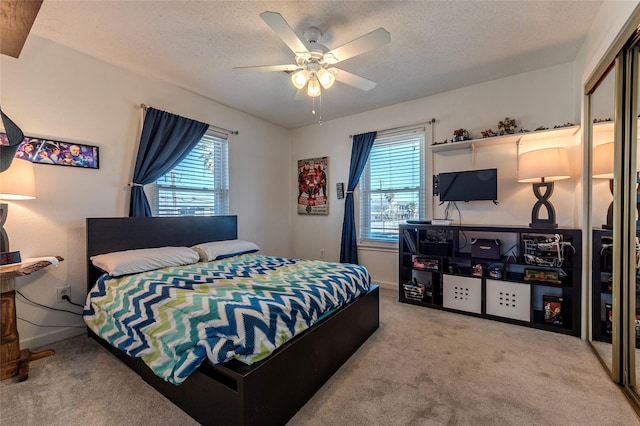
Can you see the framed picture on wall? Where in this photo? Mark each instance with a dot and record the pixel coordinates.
(313, 184)
(45, 151)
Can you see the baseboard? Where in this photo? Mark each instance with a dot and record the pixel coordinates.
(43, 340)
(387, 286)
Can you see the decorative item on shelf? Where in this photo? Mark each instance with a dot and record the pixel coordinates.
(460, 135)
(10, 258)
(542, 276)
(601, 120)
(414, 290)
(561, 126)
(552, 305)
(495, 272)
(488, 133)
(603, 169)
(544, 251)
(507, 126)
(608, 309)
(477, 270)
(425, 264)
(542, 168)
(541, 128)
(441, 143)
(524, 131)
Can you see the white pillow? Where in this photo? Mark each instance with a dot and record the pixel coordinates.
(132, 261)
(220, 249)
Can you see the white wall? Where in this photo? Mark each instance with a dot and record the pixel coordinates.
(540, 98)
(57, 93)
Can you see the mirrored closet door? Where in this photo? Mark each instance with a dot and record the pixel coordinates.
(612, 139)
(601, 113)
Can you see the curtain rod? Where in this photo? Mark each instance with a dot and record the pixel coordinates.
(407, 127)
(233, 132)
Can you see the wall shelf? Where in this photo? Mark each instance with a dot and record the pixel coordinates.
(507, 139)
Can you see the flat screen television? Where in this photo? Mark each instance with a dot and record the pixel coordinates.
(470, 185)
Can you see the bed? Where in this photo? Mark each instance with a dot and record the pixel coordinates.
(270, 391)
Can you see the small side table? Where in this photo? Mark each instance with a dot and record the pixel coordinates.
(13, 361)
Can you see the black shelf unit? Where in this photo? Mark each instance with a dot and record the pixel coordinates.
(512, 283)
(602, 273)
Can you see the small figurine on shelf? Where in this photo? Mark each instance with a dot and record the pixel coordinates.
(560, 126)
(507, 126)
(461, 135)
(488, 133)
(541, 128)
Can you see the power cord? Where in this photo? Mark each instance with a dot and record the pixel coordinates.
(42, 325)
(45, 306)
(65, 297)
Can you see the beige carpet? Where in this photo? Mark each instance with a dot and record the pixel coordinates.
(422, 367)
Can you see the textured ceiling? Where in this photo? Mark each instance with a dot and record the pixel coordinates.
(435, 46)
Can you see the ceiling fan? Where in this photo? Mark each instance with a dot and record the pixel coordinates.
(314, 62)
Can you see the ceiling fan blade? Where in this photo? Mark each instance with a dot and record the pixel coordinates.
(354, 80)
(370, 41)
(285, 32)
(260, 68)
(16, 19)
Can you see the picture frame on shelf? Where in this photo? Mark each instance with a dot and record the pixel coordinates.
(608, 308)
(544, 276)
(552, 305)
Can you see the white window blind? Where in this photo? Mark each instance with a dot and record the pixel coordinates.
(392, 185)
(199, 185)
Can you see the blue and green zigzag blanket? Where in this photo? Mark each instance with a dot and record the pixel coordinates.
(243, 307)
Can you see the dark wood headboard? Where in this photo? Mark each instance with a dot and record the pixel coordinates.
(105, 235)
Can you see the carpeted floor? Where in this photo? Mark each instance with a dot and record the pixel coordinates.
(422, 367)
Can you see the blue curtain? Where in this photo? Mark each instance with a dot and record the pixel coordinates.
(165, 141)
(359, 154)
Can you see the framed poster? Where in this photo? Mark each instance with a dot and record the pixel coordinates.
(313, 184)
(44, 151)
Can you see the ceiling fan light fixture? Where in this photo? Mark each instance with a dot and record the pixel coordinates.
(313, 89)
(300, 78)
(326, 78)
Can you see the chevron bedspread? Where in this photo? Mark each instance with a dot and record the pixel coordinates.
(242, 307)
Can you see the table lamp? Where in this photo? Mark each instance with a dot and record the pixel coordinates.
(542, 167)
(603, 169)
(16, 183)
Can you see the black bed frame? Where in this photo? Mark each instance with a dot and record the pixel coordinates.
(269, 392)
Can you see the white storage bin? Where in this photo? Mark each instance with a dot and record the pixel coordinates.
(509, 300)
(462, 293)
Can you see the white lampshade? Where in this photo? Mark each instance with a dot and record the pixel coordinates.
(313, 89)
(326, 78)
(300, 78)
(603, 161)
(544, 165)
(18, 182)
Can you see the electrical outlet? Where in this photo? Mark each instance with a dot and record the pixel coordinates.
(321, 253)
(63, 291)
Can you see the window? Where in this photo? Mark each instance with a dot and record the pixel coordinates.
(392, 185)
(199, 185)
